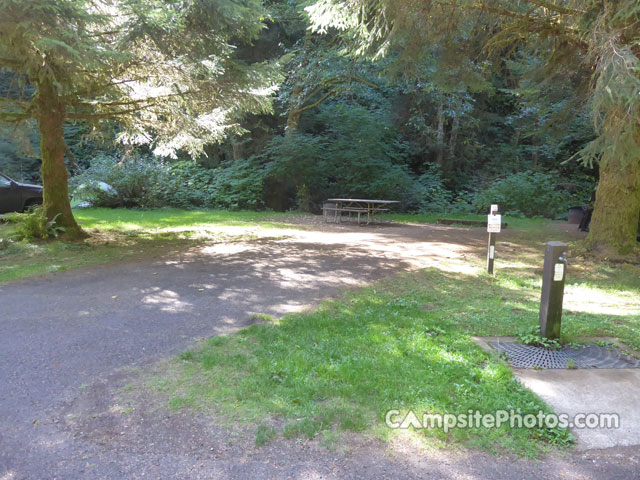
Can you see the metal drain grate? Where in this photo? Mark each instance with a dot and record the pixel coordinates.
(585, 356)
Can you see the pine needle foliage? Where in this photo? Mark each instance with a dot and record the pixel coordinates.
(165, 70)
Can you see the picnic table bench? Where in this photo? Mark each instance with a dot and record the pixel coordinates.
(334, 208)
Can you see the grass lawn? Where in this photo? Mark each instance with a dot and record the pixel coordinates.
(404, 343)
(169, 219)
(122, 233)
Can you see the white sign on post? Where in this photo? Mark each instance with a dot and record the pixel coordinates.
(494, 222)
(493, 209)
(558, 272)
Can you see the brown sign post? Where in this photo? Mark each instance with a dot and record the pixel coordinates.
(553, 277)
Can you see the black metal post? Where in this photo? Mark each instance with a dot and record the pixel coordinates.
(553, 277)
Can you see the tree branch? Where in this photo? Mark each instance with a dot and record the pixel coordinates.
(14, 102)
(336, 81)
(313, 105)
(98, 116)
(14, 117)
(536, 24)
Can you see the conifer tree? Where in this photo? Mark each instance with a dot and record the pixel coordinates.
(164, 70)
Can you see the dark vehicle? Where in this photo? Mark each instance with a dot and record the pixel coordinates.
(15, 197)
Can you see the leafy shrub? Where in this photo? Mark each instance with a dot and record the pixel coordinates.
(97, 193)
(233, 185)
(239, 184)
(436, 197)
(527, 194)
(147, 182)
(134, 182)
(462, 203)
(34, 225)
(314, 169)
(187, 185)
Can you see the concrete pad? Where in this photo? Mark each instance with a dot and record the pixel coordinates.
(584, 391)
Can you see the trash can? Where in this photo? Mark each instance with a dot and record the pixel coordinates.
(576, 214)
(329, 211)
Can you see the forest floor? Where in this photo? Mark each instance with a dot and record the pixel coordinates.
(92, 386)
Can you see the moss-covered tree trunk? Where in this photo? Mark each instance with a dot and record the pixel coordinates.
(440, 137)
(51, 116)
(295, 113)
(293, 120)
(614, 226)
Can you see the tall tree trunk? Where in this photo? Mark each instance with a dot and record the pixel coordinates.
(614, 226)
(51, 115)
(516, 146)
(295, 105)
(235, 149)
(293, 118)
(453, 137)
(440, 138)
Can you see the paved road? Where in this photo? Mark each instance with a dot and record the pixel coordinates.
(62, 334)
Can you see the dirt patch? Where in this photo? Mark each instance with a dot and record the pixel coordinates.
(111, 413)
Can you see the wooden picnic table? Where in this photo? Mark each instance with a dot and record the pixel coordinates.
(335, 207)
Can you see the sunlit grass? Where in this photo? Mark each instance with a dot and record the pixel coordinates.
(168, 219)
(125, 233)
(20, 260)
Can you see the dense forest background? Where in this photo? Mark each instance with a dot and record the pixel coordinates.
(441, 135)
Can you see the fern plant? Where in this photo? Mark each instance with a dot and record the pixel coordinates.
(34, 225)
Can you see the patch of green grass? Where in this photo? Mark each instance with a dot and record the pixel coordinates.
(329, 440)
(514, 223)
(121, 233)
(6, 229)
(19, 260)
(181, 402)
(166, 219)
(126, 388)
(348, 363)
